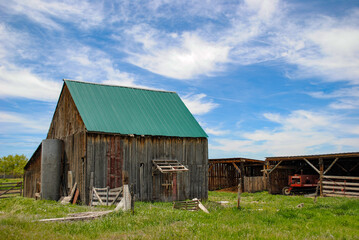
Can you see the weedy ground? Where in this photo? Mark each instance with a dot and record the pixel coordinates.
(262, 216)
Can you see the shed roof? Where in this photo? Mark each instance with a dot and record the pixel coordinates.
(127, 110)
(317, 156)
(235, 160)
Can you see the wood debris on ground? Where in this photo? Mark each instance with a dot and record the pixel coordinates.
(190, 205)
(125, 204)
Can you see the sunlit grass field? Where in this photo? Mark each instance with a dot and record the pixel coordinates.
(262, 216)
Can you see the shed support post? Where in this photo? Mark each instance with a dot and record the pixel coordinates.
(321, 167)
(242, 175)
(269, 188)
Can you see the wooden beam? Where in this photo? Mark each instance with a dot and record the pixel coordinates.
(210, 167)
(354, 167)
(342, 168)
(312, 166)
(345, 188)
(340, 183)
(235, 165)
(321, 167)
(76, 196)
(342, 177)
(271, 170)
(98, 197)
(331, 165)
(242, 175)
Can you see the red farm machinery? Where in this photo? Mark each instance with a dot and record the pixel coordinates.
(300, 183)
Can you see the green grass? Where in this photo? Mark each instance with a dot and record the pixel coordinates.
(262, 216)
(10, 180)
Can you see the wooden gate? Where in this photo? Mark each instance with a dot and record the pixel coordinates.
(106, 196)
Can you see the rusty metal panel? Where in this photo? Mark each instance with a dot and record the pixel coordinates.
(114, 162)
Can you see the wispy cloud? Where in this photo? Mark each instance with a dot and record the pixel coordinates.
(94, 65)
(300, 132)
(22, 83)
(328, 48)
(216, 131)
(14, 123)
(197, 104)
(254, 32)
(50, 13)
(344, 98)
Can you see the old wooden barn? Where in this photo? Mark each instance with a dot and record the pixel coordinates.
(108, 132)
(338, 173)
(229, 172)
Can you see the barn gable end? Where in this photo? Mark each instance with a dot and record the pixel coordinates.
(111, 131)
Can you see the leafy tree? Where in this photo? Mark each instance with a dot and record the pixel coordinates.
(13, 164)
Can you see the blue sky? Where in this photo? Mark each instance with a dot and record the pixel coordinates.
(263, 78)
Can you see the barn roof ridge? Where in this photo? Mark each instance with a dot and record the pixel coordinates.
(121, 86)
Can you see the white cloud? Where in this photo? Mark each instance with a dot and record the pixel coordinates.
(259, 31)
(216, 131)
(12, 123)
(301, 132)
(50, 13)
(90, 64)
(197, 104)
(16, 82)
(330, 52)
(185, 57)
(344, 98)
(19, 81)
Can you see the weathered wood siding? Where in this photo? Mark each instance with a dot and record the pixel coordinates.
(68, 126)
(108, 156)
(32, 175)
(255, 184)
(74, 160)
(66, 120)
(225, 175)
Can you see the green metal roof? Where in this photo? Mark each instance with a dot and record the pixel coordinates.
(125, 110)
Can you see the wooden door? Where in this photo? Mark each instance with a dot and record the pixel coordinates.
(165, 186)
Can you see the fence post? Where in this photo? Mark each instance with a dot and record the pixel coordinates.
(239, 195)
(107, 191)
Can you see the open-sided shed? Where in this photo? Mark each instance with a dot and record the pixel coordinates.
(338, 173)
(109, 133)
(229, 172)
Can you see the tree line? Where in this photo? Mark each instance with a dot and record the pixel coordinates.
(13, 165)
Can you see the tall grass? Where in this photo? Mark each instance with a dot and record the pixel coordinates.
(262, 216)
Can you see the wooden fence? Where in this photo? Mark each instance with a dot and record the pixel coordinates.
(10, 189)
(341, 186)
(255, 184)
